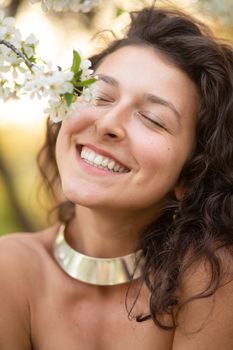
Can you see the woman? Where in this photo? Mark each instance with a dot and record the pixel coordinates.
(146, 176)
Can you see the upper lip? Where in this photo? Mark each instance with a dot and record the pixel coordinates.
(103, 153)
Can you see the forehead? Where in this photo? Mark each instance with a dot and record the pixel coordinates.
(141, 69)
(136, 57)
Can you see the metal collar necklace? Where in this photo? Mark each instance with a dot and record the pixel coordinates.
(96, 271)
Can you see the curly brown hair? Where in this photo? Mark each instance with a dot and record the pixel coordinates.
(194, 228)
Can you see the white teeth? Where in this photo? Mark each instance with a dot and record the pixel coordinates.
(82, 153)
(105, 162)
(91, 156)
(116, 167)
(100, 161)
(111, 165)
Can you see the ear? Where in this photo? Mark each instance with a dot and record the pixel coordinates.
(179, 191)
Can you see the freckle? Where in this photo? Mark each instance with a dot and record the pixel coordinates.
(169, 149)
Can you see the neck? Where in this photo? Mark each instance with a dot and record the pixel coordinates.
(96, 271)
(104, 234)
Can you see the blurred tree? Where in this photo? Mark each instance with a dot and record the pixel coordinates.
(220, 10)
(11, 7)
(18, 213)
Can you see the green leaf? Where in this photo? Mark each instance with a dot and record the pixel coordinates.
(68, 98)
(119, 11)
(76, 77)
(32, 59)
(76, 62)
(86, 83)
(17, 84)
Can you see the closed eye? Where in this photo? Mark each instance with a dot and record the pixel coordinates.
(102, 100)
(153, 121)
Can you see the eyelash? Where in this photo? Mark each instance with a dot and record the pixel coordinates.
(102, 99)
(153, 121)
(107, 100)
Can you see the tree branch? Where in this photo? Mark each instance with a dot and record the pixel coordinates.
(17, 52)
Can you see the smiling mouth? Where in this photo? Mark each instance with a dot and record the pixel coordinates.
(99, 161)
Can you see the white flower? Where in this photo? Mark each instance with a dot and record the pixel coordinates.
(31, 40)
(88, 5)
(89, 95)
(75, 6)
(55, 110)
(8, 31)
(68, 5)
(43, 83)
(59, 5)
(58, 110)
(86, 72)
(29, 45)
(54, 84)
(5, 22)
(4, 91)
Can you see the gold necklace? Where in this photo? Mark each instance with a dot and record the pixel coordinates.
(96, 271)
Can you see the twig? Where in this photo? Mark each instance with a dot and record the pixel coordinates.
(18, 53)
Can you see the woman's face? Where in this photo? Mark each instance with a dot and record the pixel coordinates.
(127, 151)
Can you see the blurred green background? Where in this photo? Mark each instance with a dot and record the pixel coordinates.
(22, 123)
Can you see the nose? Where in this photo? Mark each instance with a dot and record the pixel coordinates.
(112, 124)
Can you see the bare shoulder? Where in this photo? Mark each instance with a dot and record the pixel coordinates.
(22, 256)
(21, 259)
(206, 322)
(19, 250)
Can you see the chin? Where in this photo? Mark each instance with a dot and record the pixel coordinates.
(81, 196)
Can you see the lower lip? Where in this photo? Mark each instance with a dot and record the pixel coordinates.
(92, 169)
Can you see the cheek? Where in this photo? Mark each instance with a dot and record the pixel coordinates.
(60, 152)
(81, 118)
(156, 154)
(160, 162)
(80, 122)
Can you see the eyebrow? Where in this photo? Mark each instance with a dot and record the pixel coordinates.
(158, 100)
(107, 79)
(149, 97)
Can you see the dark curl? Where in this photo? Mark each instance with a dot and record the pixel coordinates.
(200, 225)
